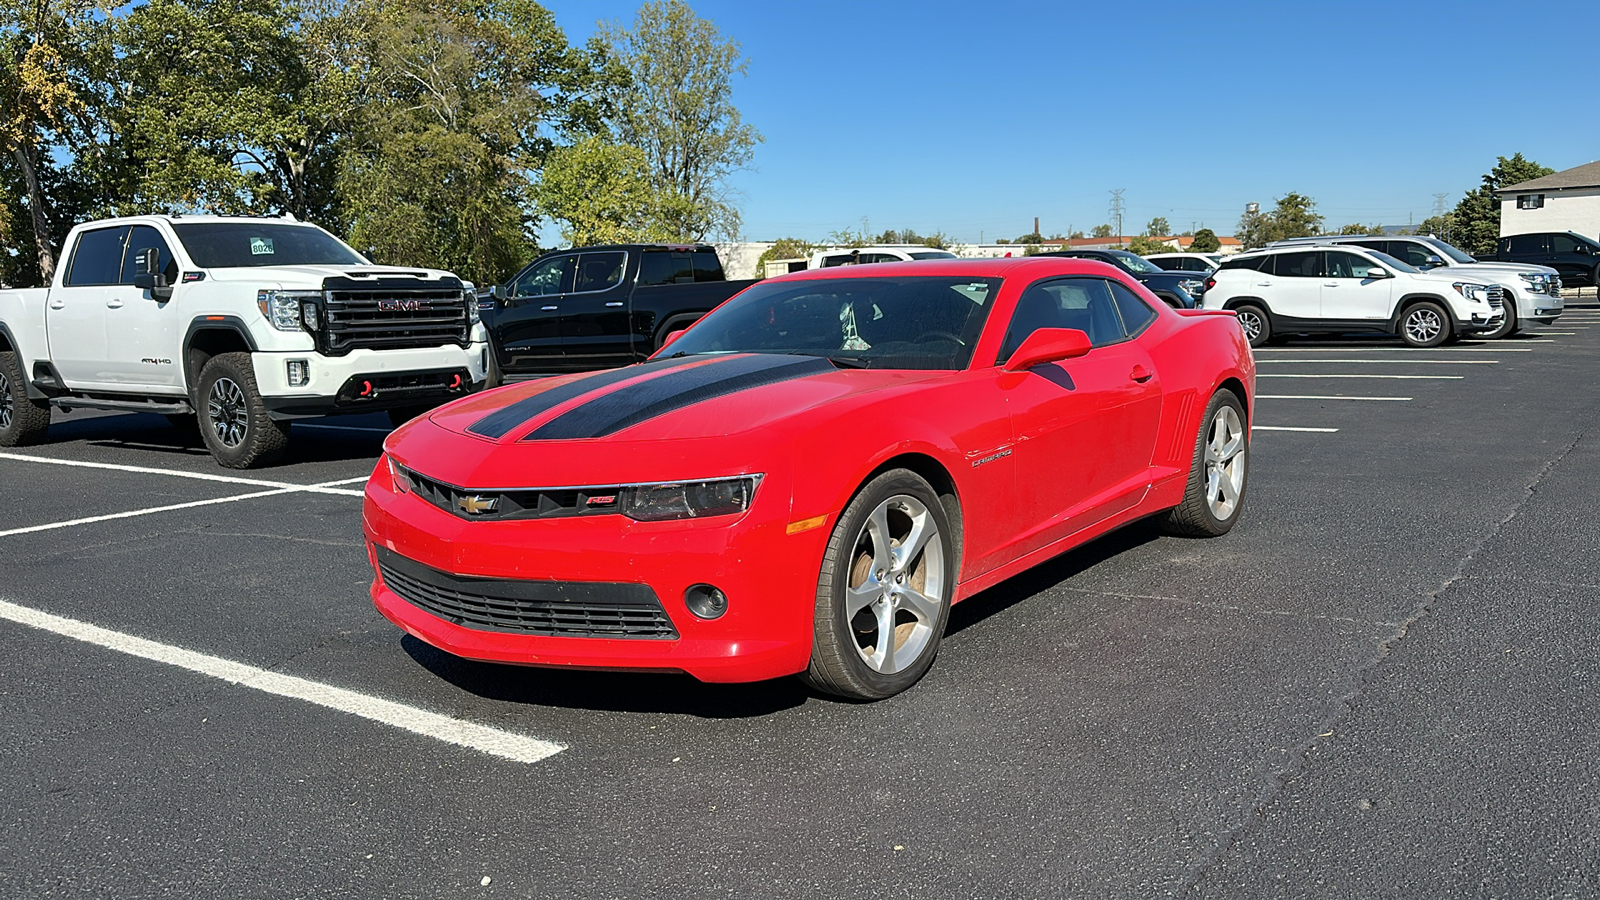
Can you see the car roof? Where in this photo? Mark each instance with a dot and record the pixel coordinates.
(994, 267)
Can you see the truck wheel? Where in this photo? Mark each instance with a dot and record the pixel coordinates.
(1425, 325)
(233, 418)
(1508, 327)
(1253, 319)
(23, 420)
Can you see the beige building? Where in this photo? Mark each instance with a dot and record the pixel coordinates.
(1565, 201)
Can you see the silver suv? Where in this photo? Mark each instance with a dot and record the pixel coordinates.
(1532, 293)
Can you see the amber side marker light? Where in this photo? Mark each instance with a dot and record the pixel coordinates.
(805, 524)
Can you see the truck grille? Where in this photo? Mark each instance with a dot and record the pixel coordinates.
(393, 318)
(1497, 297)
(546, 608)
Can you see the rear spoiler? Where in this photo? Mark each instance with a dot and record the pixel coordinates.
(1204, 312)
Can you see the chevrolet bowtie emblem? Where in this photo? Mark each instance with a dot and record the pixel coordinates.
(477, 505)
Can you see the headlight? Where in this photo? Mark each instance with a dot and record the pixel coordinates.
(285, 311)
(689, 499)
(398, 475)
(469, 296)
(1475, 292)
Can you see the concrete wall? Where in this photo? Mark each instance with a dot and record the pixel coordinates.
(1573, 210)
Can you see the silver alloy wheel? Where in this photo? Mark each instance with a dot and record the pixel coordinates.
(1423, 324)
(897, 584)
(6, 409)
(1251, 323)
(1225, 463)
(228, 412)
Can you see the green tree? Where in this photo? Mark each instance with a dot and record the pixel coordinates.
(1144, 246)
(1101, 231)
(1078, 234)
(601, 192)
(1158, 227)
(1205, 241)
(846, 238)
(1293, 215)
(1357, 228)
(1476, 219)
(1439, 226)
(678, 108)
(784, 248)
(1033, 238)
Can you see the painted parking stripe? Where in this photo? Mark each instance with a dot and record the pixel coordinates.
(461, 733)
(327, 488)
(133, 513)
(1408, 377)
(1322, 397)
(1386, 362)
(1287, 428)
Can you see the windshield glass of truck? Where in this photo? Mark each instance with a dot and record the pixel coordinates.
(1448, 251)
(879, 323)
(223, 245)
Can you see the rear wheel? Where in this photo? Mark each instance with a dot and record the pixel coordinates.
(1218, 474)
(883, 596)
(1425, 324)
(23, 420)
(234, 420)
(1253, 319)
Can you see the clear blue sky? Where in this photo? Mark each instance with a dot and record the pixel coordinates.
(975, 117)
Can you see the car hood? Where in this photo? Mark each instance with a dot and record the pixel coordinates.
(312, 276)
(1497, 269)
(660, 419)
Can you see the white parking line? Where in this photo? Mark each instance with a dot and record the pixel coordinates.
(1321, 397)
(1411, 377)
(417, 721)
(1386, 362)
(132, 513)
(326, 488)
(1556, 333)
(1287, 428)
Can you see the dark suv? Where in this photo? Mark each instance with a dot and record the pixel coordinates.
(1576, 257)
(1179, 289)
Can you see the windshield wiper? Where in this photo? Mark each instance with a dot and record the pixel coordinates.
(850, 362)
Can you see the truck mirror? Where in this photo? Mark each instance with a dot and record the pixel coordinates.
(147, 274)
(498, 292)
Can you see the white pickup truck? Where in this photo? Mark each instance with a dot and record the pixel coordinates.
(244, 323)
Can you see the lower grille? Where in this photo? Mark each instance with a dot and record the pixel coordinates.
(547, 608)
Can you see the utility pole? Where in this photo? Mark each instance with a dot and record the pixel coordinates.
(1116, 213)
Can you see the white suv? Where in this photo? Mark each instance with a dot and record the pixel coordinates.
(1350, 289)
(851, 256)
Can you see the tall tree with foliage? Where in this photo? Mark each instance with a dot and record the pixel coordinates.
(602, 194)
(1158, 227)
(784, 248)
(678, 108)
(1100, 231)
(1293, 215)
(1205, 241)
(1144, 245)
(1475, 222)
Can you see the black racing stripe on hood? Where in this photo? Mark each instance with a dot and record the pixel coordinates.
(502, 421)
(627, 406)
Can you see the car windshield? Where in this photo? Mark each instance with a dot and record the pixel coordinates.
(1392, 263)
(222, 245)
(1447, 251)
(899, 322)
(1135, 263)
(932, 254)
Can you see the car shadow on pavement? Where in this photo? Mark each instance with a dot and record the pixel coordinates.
(1040, 578)
(142, 431)
(633, 692)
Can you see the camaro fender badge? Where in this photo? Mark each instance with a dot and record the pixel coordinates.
(477, 504)
(992, 457)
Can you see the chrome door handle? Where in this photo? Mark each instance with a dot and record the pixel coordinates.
(615, 303)
(1263, 284)
(114, 303)
(547, 307)
(1141, 374)
(57, 304)
(1330, 284)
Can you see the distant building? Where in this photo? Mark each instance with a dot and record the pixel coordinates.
(1565, 201)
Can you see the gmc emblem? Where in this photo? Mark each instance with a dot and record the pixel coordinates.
(399, 305)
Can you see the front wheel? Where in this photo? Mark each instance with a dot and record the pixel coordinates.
(1253, 320)
(1218, 472)
(23, 420)
(233, 417)
(1426, 324)
(883, 596)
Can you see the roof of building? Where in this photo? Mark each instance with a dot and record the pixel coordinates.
(1584, 176)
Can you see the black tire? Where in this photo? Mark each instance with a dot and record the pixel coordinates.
(839, 659)
(1425, 324)
(233, 418)
(1594, 277)
(23, 420)
(1508, 327)
(1253, 319)
(1199, 515)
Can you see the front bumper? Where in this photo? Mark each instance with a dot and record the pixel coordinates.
(366, 380)
(769, 577)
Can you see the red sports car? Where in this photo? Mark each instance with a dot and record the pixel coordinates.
(807, 479)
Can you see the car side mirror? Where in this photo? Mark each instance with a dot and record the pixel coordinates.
(1048, 345)
(1433, 262)
(672, 336)
(147, 275)
(498, 292)
(1377, 272)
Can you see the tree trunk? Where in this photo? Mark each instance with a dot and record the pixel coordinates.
(41, 222)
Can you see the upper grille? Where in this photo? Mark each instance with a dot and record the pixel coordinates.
(1497, 297)
(548, 608)
(393, 318)
(535, 503)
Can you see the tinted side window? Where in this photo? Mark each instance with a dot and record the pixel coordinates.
(553, 276)
(599, 271)
(706, 266)
(1257, 263)
(1527, 243)
(1136, 313)
(1300, 265)
(98, 258)
(1348, 265)
(143, 238)
(655, 267)
(1081, 303)
(1566, 243)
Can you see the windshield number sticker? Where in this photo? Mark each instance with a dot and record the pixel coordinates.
(261, 246)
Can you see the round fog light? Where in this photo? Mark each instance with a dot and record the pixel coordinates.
(705, 601)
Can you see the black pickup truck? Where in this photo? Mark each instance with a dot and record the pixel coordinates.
(599, 307)
(1575, 256)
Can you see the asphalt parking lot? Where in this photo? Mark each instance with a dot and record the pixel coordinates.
(1381, 683)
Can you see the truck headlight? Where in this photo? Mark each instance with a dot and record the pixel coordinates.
(689, 499)
(469, 296)
(284, 310)
(1477, 293)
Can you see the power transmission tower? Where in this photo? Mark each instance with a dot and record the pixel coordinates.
(1116, 212)
(1438, 204)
